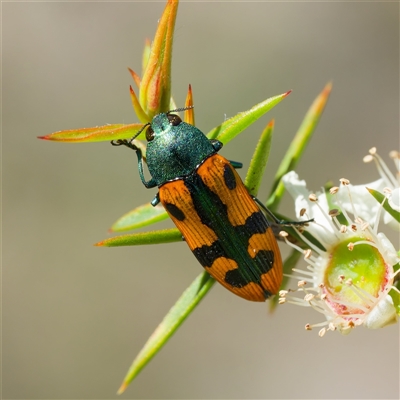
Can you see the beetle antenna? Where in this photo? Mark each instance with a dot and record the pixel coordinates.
(128, 143)
(181, 109)
(139, 132)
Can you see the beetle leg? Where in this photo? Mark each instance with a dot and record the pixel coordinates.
(236, 164)
(156, 200)
(280, 221)
(129, 143)
(150, 183)
(216, 144)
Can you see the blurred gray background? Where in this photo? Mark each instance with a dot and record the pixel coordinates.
(74, 315)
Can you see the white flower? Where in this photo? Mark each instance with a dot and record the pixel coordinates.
(349, 280)
(389, 184)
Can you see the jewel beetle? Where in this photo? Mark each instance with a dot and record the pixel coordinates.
(205, 197)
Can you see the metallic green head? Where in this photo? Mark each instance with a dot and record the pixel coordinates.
(174, 148)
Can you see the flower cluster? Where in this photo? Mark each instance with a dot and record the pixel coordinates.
(350, 274)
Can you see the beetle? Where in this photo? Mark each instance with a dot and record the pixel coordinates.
(205, 197)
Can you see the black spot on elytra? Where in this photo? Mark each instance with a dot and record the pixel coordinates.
(235, 278)
(265, 258)
(229, 177)
(206, 255)
(175, 211)
(256, 223)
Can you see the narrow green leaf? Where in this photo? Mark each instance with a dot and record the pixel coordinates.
(139, 217)
(172, 104)
(136, 239)
(95, 134)
(298, 146)
(259, 160)
(171, 322)
(189, 112)
(233, 126)
(395, 294)
(381, 198)
(146, 55)
(155, 87)
(137, 107)
(288, 265)
(135, 77)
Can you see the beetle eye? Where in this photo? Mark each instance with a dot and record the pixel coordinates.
(174, 119)
(149, 134)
